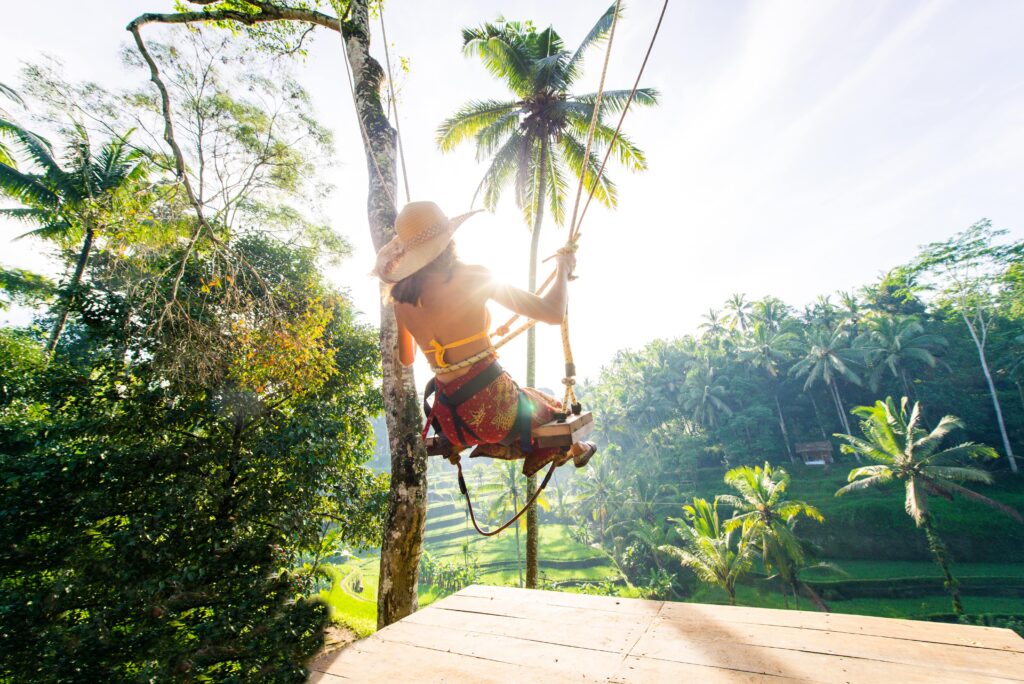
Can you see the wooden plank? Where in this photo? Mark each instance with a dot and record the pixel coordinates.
(553, 434)
(532, 655)
(934, 632)
(316, 677)
(374, 660)
(924, 655)
(570, 425)
(666, 642)
(557, 598)
(578, 629)
(636, 670)
(569, 615)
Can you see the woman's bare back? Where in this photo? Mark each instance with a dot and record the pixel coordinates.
(451, 310)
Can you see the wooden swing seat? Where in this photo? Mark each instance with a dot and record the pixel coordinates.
(554, 434)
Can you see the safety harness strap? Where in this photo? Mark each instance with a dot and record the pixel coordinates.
(469, 503)
(521, 430)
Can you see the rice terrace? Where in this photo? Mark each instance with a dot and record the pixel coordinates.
(621, 341)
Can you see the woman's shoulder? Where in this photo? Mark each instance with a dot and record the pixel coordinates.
(473, 272)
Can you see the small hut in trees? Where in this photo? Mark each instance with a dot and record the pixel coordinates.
(815, 453)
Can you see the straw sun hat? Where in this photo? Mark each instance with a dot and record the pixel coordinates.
(422, 232)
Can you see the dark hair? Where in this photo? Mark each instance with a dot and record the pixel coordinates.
(409, 290)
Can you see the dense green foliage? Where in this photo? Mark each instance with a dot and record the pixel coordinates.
(181, 466)
(763, 377)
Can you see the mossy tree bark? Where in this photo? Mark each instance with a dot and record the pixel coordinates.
(406, 516)
(407, 502)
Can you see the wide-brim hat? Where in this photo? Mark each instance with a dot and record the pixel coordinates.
(422, 232)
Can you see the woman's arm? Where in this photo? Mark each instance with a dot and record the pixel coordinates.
(406, 345)
(547, 309)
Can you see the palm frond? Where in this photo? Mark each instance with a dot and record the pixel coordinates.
(862, 484)
(558, 188)
(572, 151)
(982, 499)
(11, 94)
(612, 101)
(500, 171)
(625, 150)
(470, 119)
(926, 446)
(915, 503)
(957, 474)
(504, 52)
(596, 34)
(27, 189)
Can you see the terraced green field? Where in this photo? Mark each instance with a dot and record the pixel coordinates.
(563, 562)
(887, 587)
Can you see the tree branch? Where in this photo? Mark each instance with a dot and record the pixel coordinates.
(268, 13)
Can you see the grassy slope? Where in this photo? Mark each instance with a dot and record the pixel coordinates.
(867, 534)
(873, 524)
(562, 559)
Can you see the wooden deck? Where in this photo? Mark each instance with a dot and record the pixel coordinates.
(497, 634)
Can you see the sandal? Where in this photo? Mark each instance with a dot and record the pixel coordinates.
(582, 452)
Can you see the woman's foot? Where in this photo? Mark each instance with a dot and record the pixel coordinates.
(582, 452)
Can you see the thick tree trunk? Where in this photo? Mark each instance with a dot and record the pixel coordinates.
(532, 523)
(992, 391)
(407, 500)
(519, 548)
(71, 292)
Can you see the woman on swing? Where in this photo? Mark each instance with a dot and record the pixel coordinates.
(441, 306)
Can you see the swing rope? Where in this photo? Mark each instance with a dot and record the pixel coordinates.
(507, 524)
(504, 331)
(394, 102)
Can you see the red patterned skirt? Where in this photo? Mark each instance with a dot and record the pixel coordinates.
(491, 418)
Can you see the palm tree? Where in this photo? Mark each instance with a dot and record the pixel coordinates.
(766, 349)
(598, 490)
(771, 311)
(713, 325)
(504, 481)
(851, 312)
(893, 343)
(8, 128)
(768, 519)
(537, 138)
(739, 312)
(76, 203)
(827, 359)
(907, 453)
(706, 397)
(710, 548)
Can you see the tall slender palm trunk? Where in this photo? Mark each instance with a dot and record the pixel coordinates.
(980, 345)
(782, 426)
(71, 291)
(532, 523)
(817, 414)
(938, 550)
(842, 413)
(839, 407)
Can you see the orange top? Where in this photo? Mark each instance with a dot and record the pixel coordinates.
(440, 349)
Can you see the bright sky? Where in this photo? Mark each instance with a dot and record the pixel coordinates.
(801, 146)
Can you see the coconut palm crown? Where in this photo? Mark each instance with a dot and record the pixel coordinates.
(766, 516)
(536, 137)
(710, 548)
(906, 452)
